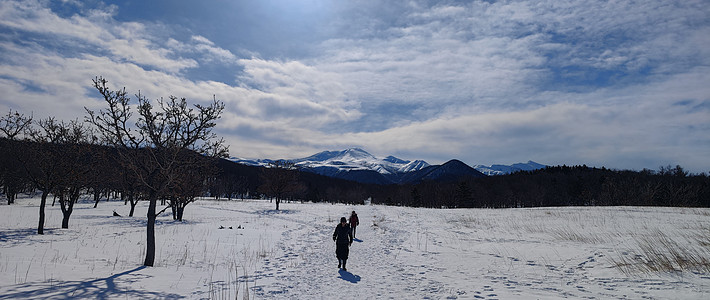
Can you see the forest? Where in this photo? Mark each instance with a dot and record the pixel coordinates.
(560, 186)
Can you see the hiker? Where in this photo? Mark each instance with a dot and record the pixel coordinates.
(354, 221)
(343, 239)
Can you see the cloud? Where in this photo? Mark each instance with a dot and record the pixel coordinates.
(204, 45)
(478, 51)
(97, 31)
(619, 84)
(296, 90)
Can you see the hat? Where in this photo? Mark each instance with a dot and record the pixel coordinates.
(343, 220)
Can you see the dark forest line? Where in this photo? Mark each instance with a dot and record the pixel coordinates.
(552, 186)
(560, 186)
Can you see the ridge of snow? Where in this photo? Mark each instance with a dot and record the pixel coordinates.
(348, 160)
(357, 159)
(413, 166)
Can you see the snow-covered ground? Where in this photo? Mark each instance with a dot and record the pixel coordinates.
(400, 253)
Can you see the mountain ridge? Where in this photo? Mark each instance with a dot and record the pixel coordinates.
(358, 165)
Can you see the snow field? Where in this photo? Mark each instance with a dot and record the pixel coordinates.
(399, 253)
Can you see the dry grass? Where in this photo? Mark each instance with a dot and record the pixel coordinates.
(469, 221)
(660, 253)
(569, 234)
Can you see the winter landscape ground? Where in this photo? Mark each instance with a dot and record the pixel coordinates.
(399, 253)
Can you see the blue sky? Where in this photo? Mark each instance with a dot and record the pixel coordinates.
(621, 84)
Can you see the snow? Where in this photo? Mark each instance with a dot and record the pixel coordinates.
(351, 159)
(400, 253)
(354, 159)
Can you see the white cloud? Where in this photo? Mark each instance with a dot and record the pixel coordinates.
(128, 41)
(203, 44)
(296, 90)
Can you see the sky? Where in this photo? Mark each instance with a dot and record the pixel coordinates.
(619, 84)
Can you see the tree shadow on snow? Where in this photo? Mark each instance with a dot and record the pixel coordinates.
(101, 288)
(276, 212)
(14, 237)
(347, 276)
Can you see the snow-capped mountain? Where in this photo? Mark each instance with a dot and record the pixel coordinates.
(507, 169)
(353, 159)
(358, 165)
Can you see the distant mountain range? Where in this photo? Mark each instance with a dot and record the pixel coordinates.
(505, 169)
(358, 165)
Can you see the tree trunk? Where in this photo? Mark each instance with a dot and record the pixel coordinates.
(63, 207)
(40, 227)
(278, 201)
(133, 204)
(10, 194)
(150, 231)
(65, 219)
(173, 208)
(97, 197)
(180, 210)
(68, 207)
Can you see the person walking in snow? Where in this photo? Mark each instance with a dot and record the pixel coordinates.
(343, 239)
(354, 222)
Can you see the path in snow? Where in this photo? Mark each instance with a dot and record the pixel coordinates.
(400, 253)
(307, 264)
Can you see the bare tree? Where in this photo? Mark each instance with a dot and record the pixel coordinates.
(58, 161)
(278, 180)
(151, 147)
(191, 181)
(12, 177)
(77, 162)
(12, 126)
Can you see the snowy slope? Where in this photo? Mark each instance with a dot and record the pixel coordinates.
(353, 159)
(399, 253)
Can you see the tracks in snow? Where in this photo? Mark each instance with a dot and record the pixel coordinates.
(304, 263)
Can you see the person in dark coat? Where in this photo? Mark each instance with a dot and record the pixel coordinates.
(343, 239)
(354, 222)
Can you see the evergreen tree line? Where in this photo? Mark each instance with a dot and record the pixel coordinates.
(551, 186)
(558, 186)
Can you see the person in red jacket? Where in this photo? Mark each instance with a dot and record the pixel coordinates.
(354, 221)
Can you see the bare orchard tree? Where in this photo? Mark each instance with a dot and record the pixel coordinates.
(279, 179)
(150, 146)
(54, 160)
(77, 162)
(191, 181)
(14, 124)
(12, 127)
